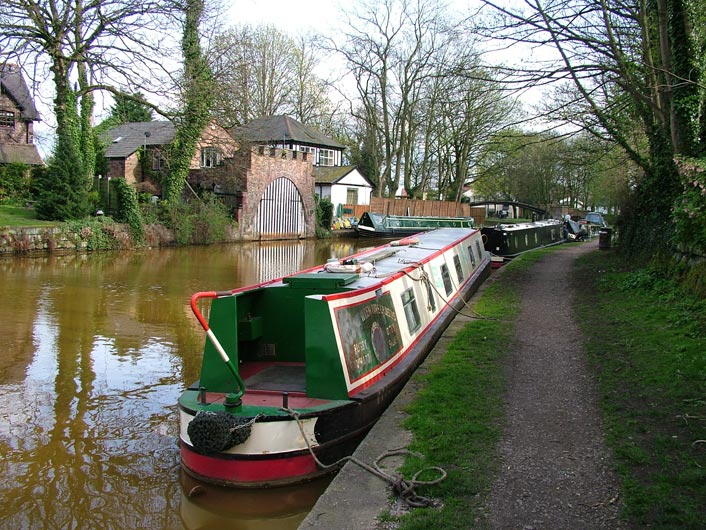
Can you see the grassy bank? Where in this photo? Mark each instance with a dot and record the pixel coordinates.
(456, 417)
(13, 215)
(646, 343)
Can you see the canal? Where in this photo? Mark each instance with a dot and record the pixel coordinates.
(94, 352)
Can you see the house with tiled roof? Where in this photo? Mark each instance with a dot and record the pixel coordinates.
(343, 185)
(17, 116)
(139, 153)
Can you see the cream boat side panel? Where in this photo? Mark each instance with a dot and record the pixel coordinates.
(266, 437)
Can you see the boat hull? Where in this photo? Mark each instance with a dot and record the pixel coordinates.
(376, 225)
(507, 241)
(287, 440)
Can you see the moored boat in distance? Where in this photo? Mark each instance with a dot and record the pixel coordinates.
(373, 224)
(297, 370)
(505, 241)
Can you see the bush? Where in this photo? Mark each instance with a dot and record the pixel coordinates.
(129, 210)
(14, 183)
(689, 211)
(62, 192)
(197, 222)
(324, 213)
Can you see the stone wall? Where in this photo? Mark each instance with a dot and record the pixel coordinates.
(24, 240)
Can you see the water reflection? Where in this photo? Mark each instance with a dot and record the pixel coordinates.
(205, 506)
(95, 351)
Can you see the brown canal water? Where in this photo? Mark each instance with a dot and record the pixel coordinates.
(94, 352)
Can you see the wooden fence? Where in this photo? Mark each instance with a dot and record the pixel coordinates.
(416, 207)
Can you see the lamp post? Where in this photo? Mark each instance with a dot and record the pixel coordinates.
(144, 164)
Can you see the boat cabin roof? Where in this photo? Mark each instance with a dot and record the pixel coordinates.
(387, 261)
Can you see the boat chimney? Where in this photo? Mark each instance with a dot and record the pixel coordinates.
(285, 400)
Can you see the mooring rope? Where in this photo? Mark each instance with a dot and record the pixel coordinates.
(403, 488)
(430, 285)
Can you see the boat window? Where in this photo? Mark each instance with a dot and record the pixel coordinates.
(459, 269)
(472, 255)
(409, 303)
(446, 277)
(480, 252)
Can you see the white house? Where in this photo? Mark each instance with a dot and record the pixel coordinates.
(342, 185)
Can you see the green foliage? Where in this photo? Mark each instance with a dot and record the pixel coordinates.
(14, 182)
(197, 222)
(324, 213)
(129, 210)
(198, 93)
(689, 211)
(61, 188)
(98, 233)
(128, 108)
(646, 342)
(13, 215)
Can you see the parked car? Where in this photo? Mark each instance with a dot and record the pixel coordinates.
(594, 218)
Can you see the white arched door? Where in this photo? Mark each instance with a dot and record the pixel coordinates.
(280, 214)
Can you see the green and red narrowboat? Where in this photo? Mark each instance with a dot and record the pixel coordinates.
(305, 364)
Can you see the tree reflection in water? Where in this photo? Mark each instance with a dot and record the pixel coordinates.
(96, 350)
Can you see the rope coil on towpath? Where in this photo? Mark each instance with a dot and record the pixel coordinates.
(403, 488)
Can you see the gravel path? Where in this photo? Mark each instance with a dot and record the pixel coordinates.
(555, 468)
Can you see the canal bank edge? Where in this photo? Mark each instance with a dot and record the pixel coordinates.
(356, 498)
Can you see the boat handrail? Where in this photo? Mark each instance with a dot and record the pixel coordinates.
(214, 340)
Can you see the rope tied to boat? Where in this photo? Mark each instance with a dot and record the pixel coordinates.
(403, 488)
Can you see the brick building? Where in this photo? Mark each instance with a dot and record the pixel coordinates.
(17, 116)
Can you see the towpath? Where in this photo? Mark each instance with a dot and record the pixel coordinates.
(555, 468)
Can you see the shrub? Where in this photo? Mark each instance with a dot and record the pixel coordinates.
(689, 211)
(129, 210)
(14, 182)
(324, 213)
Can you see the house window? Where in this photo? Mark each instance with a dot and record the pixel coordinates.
(409, 303)
(351, 195)
(7, 118)
(157, 161)
(325, 157)
(306, 149)
(211, 157)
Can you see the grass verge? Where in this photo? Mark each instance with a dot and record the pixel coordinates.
(456, 419)
(11, 216)
(646, 341)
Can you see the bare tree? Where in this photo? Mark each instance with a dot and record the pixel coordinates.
(264, 72)
(631, 66)
(425, 113)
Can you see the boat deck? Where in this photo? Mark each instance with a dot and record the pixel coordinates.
(282, 377)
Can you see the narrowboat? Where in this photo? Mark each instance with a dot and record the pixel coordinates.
(296, 370)
(373, 224)
(506, 241)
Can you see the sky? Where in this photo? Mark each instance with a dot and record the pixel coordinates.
(287, 15)
(291, 16)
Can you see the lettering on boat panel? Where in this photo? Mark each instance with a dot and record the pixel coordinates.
(370, 334)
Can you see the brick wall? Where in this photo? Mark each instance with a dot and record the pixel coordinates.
(19, 133)
(264, 165)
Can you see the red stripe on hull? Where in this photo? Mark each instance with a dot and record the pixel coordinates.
(244, 472)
